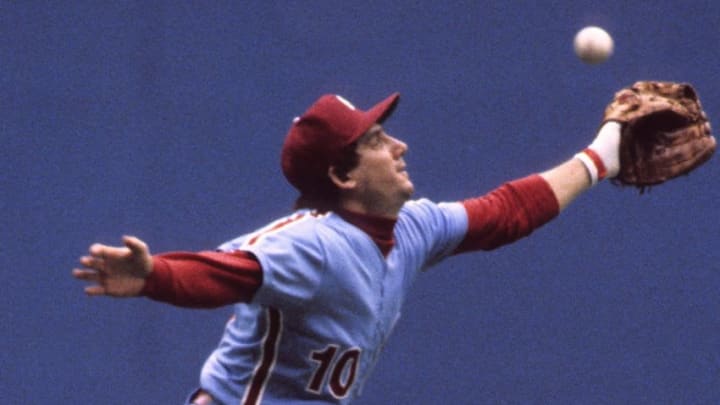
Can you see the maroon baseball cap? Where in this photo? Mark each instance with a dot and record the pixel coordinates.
(315, 138)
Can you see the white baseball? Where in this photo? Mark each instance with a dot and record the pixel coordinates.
(593, 45)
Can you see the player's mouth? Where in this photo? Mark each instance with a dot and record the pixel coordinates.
(402, 170)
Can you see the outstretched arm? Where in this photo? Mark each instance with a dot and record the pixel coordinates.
(598, 161)
(116, 271)
(205, 279)
(567, 181)
(515, 209)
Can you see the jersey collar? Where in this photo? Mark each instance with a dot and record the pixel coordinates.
(379, 229)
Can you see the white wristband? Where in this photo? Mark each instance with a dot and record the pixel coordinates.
(602, 157)
(596, 173)
(607, 147)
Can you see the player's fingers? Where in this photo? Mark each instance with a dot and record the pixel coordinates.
(86, 275)
(92, 262)
(97, 249)
(137, 246)
(95, 290)
(105, 251)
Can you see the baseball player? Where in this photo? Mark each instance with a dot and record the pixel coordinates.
(317, 293)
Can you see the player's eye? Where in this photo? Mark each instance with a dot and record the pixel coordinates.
(374, 140)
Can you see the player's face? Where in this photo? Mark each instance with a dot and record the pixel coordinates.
(381, 180)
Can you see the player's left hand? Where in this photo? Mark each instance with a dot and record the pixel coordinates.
(665, 132)
(116, 271)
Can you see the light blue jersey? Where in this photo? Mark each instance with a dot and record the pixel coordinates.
(328, 303)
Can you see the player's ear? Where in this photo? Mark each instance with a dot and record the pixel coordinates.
(341, 180)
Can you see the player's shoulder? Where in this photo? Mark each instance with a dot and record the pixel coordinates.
(424, 207)
(424, 218)
(298, 222)
(295, 226)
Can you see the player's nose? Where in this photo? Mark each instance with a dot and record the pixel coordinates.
(399, 147)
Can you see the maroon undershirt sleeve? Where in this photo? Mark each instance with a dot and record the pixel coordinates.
(508, 213)
(203, 280)
(212, 279)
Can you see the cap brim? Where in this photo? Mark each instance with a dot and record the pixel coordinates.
(382, 110)
(377, 115)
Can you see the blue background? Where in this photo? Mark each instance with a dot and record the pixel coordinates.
(164, 120)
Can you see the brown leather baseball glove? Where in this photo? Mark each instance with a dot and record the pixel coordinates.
(665, 132)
